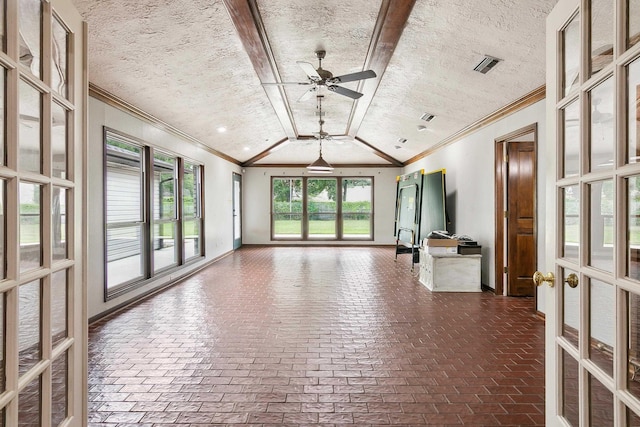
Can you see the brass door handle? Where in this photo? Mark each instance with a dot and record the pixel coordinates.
(572, 280)
(539, 278)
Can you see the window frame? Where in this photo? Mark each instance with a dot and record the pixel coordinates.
(148, 219)
(339, 215)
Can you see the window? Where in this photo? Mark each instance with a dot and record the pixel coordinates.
(357, 209)
(143, 221)
(286, 208)
(191, 210)
(321, 208)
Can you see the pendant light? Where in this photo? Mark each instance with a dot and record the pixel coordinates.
(320, 165)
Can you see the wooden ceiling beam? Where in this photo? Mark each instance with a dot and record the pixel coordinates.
(246, 19)
(392, 19)
(381, 154)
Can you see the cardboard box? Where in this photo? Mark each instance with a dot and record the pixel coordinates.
(442, 250)
(442, 242)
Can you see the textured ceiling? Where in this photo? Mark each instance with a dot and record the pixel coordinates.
(189, 64)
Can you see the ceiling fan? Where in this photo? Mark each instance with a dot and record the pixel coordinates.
(318, 77)
(322, 135)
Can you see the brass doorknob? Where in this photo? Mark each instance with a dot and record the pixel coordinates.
(572, 280)
(539, 278)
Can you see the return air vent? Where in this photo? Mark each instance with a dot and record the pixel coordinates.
(486, 64)
(427, 117)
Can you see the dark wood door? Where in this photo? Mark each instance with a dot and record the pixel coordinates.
(521, 242)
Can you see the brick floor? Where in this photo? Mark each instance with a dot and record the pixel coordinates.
(311, 335)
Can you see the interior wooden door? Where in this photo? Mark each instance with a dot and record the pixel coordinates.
(521, 220)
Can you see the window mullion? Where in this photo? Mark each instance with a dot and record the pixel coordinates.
(147, 208)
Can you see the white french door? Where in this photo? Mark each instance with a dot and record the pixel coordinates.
(593, 206)
(43, 321)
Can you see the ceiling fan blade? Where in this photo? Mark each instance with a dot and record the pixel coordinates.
(369, 74)
(344, 91)
(307, 94)
(309, 70)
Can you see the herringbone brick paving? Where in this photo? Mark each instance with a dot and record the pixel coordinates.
(316, 335)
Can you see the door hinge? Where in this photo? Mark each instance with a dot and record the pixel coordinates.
(506, 158)
(506, 270)
(506, 214)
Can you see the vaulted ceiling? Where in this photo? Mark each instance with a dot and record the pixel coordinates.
(204, 67)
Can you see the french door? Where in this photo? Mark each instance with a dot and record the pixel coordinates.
(42, 300)
(593, 214)
(237, 210)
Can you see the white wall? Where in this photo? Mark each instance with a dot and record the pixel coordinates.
(217, 198)
(256, 189)
(470, 182)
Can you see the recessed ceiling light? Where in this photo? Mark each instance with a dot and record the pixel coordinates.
(247, 148)
(222, 129)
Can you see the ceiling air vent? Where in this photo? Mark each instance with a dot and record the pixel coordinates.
(402, 140)
(427, 117)
(486, 64)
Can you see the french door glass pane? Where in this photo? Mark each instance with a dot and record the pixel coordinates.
(601, 34)
(321, 207)
(29, 341)
(59, 306)
(237, 229)
(191, 232)
(601, 403)
(164, 248)
(59, 58)
(633, 335)
(59, 224)
(602, 311)
(633, 111)
(570, 388)
(3, 29)
(58, 141)
(571, 142)
(570, 310)
(30, 27)
(601, 225)
(601, 141)
(29, 408)
(287, 207)
(124, 255)
(164, 173)
(3, 302)
(3, 100)
(30, 143)
(356, 207)
(571, 211)
(571, 55)
(30, 223)
(634, 23)
(3, 224)
(59, 381)
(633, 420)
(633, 227)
